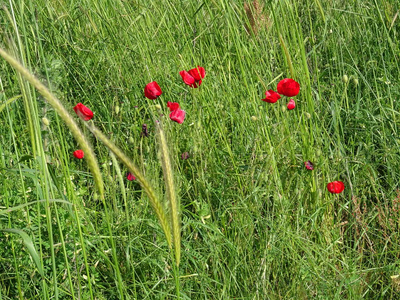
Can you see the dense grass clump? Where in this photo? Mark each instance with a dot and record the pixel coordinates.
(253, 222)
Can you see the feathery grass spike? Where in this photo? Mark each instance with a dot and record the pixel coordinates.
(64, 114)
(155, 203)
(171, 194)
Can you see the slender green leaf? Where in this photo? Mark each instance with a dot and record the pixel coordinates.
(29, 245)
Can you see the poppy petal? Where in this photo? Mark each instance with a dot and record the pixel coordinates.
(309, 165)
(152, 90)
(271, 96)
(172, 106)
(83, 112)
(178, 115)
(198, 73)
(187, 78)
(130, 176)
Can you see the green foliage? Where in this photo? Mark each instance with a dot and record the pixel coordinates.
(255, 223)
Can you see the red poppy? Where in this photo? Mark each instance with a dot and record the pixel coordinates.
(178, 115)
(83, 112)
(335, 187)
(78, 154)
(130, 176)
(288, 87)
(185, 155)
(172, 106)
(291, 105)
(193, 77)
(309, 165)
(152, 90)
(271, 96)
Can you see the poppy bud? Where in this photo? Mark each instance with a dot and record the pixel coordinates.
(355, 81)
(158, 106)
(291, 105)
(345, 78)
(116, 110)
(131, 140)
(45, 121)
(253, 118)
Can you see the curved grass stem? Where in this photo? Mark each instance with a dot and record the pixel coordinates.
(64, 114)
(154, 201)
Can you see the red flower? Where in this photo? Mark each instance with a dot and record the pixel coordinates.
(178, 115)
(288, 87)
(78, 154)
(185, 155)
(291, 105)
(172, 106)
(309, 165)
(83, 112)
(193, 77)
(335, 187)
(130, 176)
(271, 96)
(152, 90)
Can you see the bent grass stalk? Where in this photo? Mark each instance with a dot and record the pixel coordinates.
(77, 133)
(90, 156)
(64, 114)
(155, 203)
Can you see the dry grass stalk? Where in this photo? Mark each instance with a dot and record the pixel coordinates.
(257, 19)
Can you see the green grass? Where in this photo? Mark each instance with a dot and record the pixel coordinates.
(255, 223)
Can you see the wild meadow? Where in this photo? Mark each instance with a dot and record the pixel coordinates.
(151, 149)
